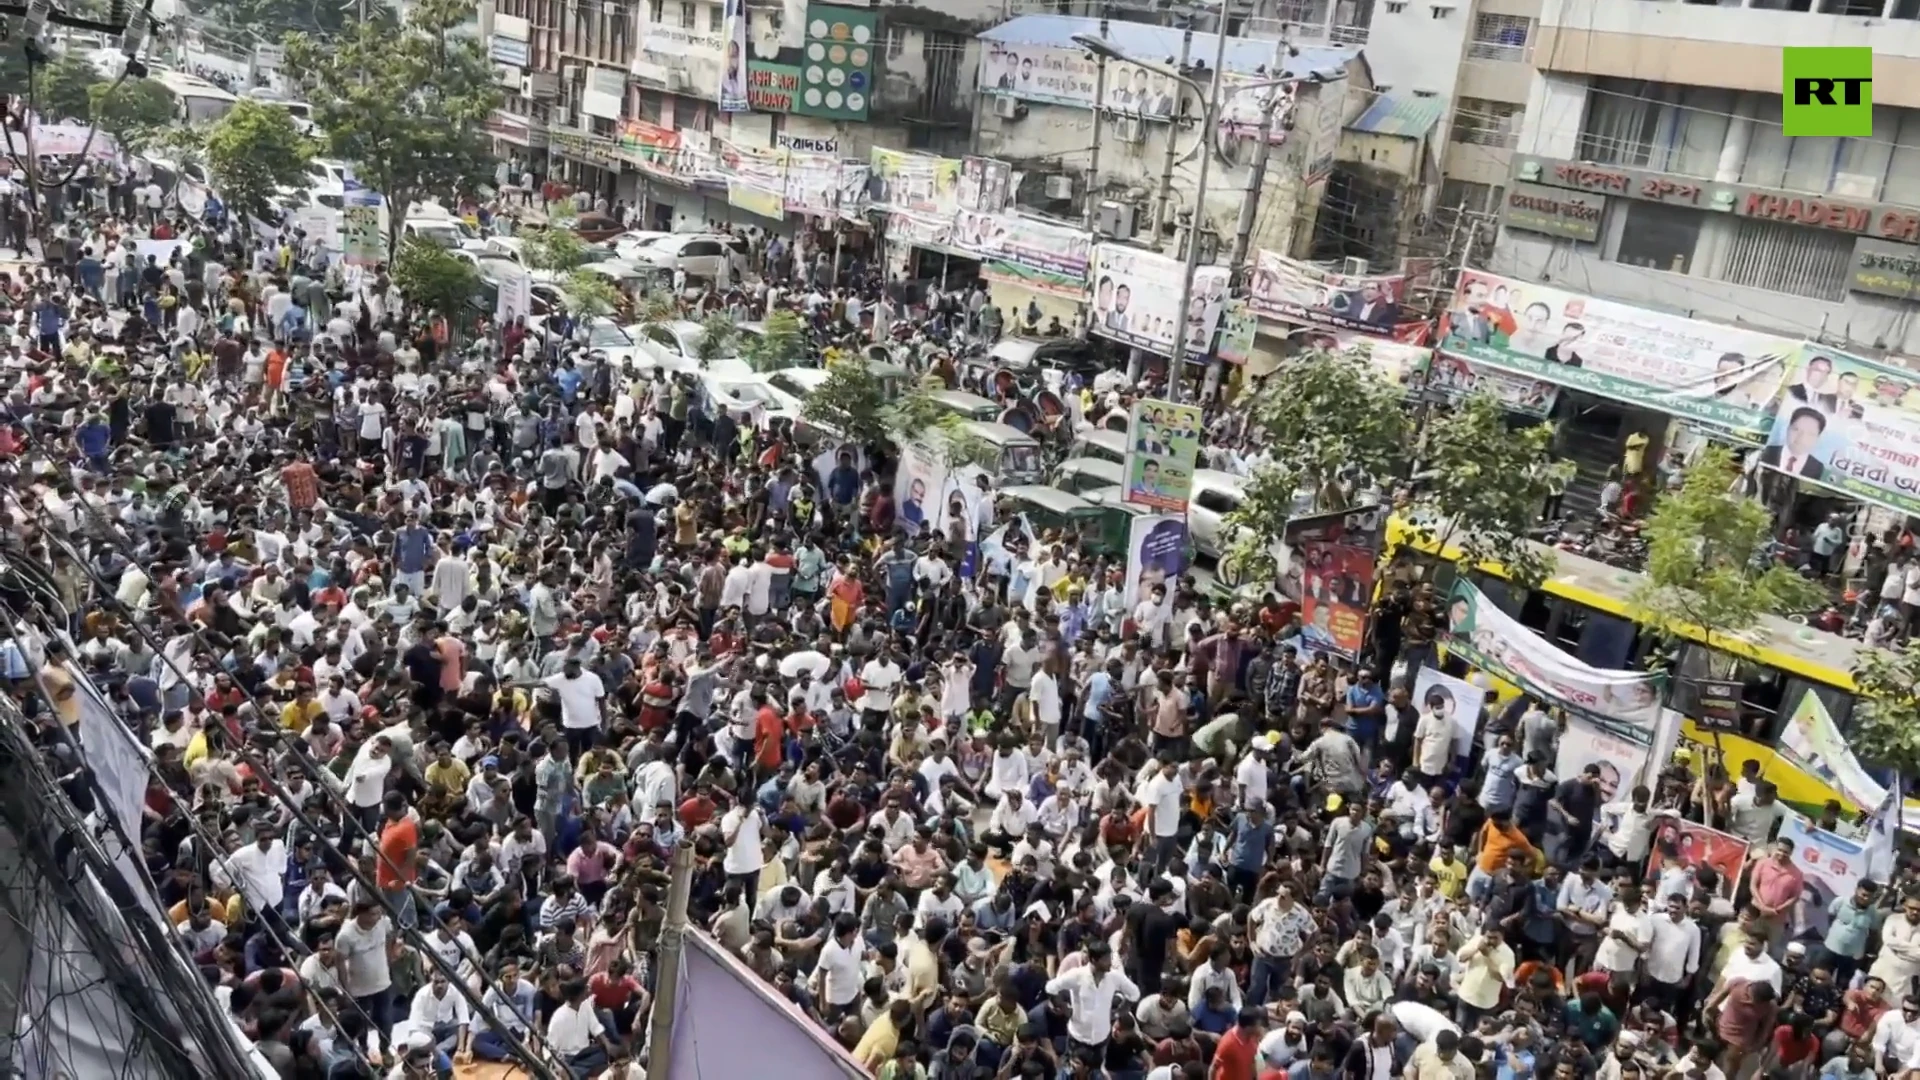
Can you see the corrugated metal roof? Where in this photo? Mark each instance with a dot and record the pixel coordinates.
(1406, 115)
(1244, 55)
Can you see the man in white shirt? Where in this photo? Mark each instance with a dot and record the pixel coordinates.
(259, 871)
(575, 1033)
(1091, 989)
(840, 970)
(1161, 795)
(741, 829)
(438, 1010)
(580, 693)
(1673, 955)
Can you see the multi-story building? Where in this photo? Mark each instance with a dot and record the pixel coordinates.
(1651, 168)
(597, 88)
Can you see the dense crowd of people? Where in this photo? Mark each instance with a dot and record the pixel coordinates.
(446, 638)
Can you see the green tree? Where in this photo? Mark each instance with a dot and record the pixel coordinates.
(1886, 719)
(1486, 484)
(852, 401)
(781, 343)
(719, 340)
(557, 249)
(1706, 557)
(253, 151)
(1345, 430)
(63, 93)
(134, 112)
(589, 295)
(408, 107)
(429, 276)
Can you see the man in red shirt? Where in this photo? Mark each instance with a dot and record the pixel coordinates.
(698, 809)
(1239, 1050)
(399, 839)
(769, 732)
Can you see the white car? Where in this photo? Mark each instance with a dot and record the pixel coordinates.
(629, 245)
(604, 336)
(701, 255)
(731, 385)
(676, 345)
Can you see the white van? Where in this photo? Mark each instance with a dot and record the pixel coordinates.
(1215, 495)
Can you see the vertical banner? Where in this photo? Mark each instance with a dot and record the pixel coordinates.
(1163, 443)
(986, 184)
(1620, 759)
(919, 480)
(1688, 844)
(1813, 743)
(516, 298)
(1238, 327)
(1456, 699)
(360, 241)
(1334, 556)
(1156, 555)
(733, 65)
(1832, 865)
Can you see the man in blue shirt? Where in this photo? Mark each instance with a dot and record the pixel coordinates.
(1855, 918)
(412, 549)
(1247, 853)
(1366, 708)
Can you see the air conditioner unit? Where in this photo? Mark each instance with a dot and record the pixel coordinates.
(1114, 219)
(1060, 187)
(569, 72)
(1007, 108)
(1129, 129)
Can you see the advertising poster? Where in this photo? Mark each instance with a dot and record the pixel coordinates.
(918, 485)
(1070, 77)
(1690, 844)
(1621, 759)
(1037, 255)
(1832, 865)
(836, 76)
(986, 184)
(1284, 288)
(753, 200)
(1136, 297)
(1456, 380)
(1711, 372)
(921, 183)
(823, 184)
(360, 241)
(733, 65)
(922, 229)
(1852, 425)
(1456, 699)
(1396, 362)
(1163, 442)
(1334, 556)
(1156, 555)
(1624, 702)
(1813, 743)
(516, 297)
(1238, 327)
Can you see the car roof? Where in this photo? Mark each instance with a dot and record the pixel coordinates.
(1217, 478)
(1005, 434)
(1046, 495)
(1114, 497)
(1105, 438)
(1093, 466)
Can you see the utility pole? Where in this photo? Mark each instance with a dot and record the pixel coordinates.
(673, 937)
(1209, 117)
(1249, 208)
(1093, 159)
(1160, 203)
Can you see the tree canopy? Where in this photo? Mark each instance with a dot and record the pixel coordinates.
(781, 343)
(408, 107)
(1343, 430)
(852, 401)
(430, 276)
(1886, 719)
(1706, 556)
(254, 150)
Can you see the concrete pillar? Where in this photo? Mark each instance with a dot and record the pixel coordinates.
(1733, 152)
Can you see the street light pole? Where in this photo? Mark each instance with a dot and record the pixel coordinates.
(1210, 97)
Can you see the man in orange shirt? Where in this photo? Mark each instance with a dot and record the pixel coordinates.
(1238, 1051)
(394, 871)
(1499, 839)
(769, 734)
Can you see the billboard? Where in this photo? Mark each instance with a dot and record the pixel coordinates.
(1136, 299)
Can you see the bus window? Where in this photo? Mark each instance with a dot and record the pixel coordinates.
(1839, 704)
(1607, 641)
(1497, 590)
(1760, 687)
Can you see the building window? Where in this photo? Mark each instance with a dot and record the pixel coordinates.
(687, 12)
(1468, 196)
(716, 17)
(1486, 123)
(1500, 37)
(896, 42)
(1790, 259)
(657, 12)
(1656, 126)
(1660, 237)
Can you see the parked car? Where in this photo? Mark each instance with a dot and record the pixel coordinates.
(701, 255)
(594, 227)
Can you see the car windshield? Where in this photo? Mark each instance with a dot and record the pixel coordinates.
(607, 335)
(1021, 459)
(753, 392)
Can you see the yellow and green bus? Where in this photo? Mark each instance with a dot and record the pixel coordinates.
(1584, 608)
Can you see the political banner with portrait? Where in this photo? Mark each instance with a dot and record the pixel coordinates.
(1038, 255)
(1850, 424)
(921, 183)
(1331, 570)
(1830, 866)
(1136, 299)
(1626, 703)
(1723, 375)
(1621, 760)
(923, 230)
(986, 184)
(1239, 326)
(1157, 554)
(1691, 845)
(1457, 380)
(1070, 77)
(1284, 288)
(1396, 362)
(1456, 699)
(1812, 742)
(733, 65)
(1163, 446)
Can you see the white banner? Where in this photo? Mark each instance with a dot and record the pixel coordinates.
(1832, 865)
(1156, 555)
(1457, 699)
(1136, 299)
(515, 299)
(1621, 759)
(733, 66)
(1490, 639)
